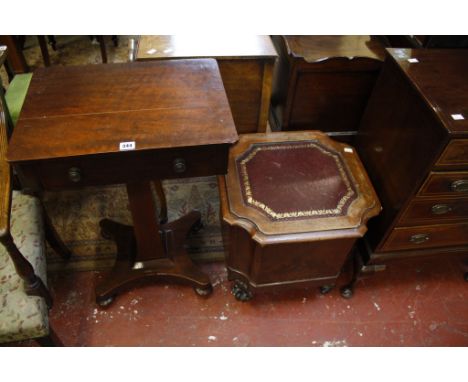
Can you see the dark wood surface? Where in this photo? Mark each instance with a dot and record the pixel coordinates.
(156, 104)
(323, 82)
(414, 152)
(245, 63)
(271, 251)
(177, 114)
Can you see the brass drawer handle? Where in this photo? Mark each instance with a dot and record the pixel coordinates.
(419, 238)
(440, 209)
(74, 174)
(460, 185)
(179, 165)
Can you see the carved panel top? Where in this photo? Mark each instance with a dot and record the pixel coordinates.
(319, 48)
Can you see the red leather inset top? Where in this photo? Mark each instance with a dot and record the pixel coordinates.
(295, 180)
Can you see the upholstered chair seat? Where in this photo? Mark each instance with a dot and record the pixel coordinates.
(23, 316)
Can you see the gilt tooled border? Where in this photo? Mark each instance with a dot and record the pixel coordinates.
(247, 191)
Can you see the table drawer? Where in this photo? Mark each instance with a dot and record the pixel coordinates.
(433, 211)
(453, 183)
(455, 154)
(434, 236)
(130, 167)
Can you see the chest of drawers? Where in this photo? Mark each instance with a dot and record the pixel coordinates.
(413, 142)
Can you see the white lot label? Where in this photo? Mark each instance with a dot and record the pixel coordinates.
(124, 146)
(458, 117)
(348, 150)
(413, 60)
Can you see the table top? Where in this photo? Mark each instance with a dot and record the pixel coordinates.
(85, 110)
(214, 45)
(440, 76)
(301, 182)
(318, 48)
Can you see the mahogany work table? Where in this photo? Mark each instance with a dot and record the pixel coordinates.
(128, 123)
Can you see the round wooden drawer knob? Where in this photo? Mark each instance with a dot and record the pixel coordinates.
(74, 174)
(179, 165)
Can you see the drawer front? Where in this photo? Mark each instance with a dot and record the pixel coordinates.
(443, 235)
(434, 211)
(453, 183)
(455, 154)
(131, 167)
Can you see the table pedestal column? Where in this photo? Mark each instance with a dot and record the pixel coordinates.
(148, 250)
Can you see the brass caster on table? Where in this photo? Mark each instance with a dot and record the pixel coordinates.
(346, 292)
(204, 291)
(104, 303)
(324, 289)
(241, 291)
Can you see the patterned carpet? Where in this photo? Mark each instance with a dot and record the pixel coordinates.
(76, 214)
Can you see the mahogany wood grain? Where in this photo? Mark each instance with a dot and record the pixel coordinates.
(432, 236)
(245, 63)
(266, 253)
(155, 104)
(414, 151)
(423, 211)
(455, 155)
(352, 224)
(177, 115)
(444, 184)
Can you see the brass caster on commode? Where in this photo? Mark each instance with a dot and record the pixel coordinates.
(346, 292)
(324, 289)
(466, 276)
(241, 291)
(204, 291)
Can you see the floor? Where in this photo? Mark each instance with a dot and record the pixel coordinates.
(412, 303)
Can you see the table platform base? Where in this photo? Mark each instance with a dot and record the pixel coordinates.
(172, 264)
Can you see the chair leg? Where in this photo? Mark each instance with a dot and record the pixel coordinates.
(34, 285)
(102, 45)
(53, 237)
(50, 340)
(44, 50)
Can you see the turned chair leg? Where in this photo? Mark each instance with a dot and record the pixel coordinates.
(34, 285)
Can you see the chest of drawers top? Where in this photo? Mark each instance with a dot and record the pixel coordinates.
(440, 77)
